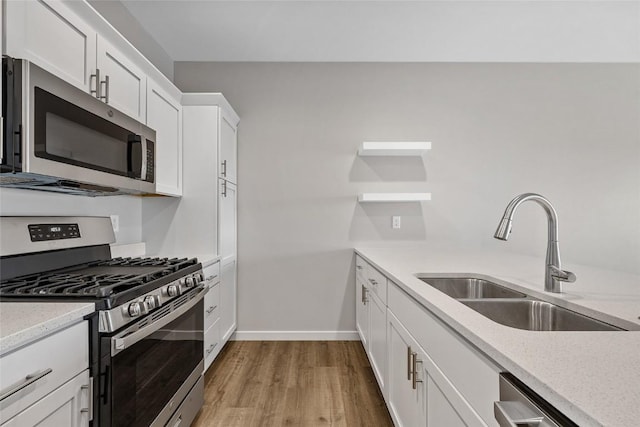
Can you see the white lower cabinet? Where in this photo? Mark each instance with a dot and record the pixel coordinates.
(66, 406)
(407, 405)
(228, 298)
(428, 374)
(50, 381)
(211, 314)
(378, 338)
(362, 313)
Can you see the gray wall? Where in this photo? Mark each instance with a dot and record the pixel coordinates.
(567, 131)
(120, 17)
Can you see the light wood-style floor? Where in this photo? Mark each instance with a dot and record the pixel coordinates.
(292, 383)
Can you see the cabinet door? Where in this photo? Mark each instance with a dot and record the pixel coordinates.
(378, 339)
(228, 294)
(228, 148)
(362, 313)
(164, 114)
(122, 83)
(67, 405)
(50, 35)
(227, 220)
(407, 404)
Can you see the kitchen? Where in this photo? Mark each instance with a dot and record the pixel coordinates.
(502, 121)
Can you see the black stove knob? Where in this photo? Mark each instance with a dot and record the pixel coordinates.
(173, 290)
(135, 309)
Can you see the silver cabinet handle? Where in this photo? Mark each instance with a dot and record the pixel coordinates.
(210, 278)
(513, 413)
(224, 168)
(359, 267)
(211, 308)
(89, 388)
(415, 381)
(364, 295)
(95, 92)
(27, 381)
(409, 353)
(373, 282)
(178, 421)
(224, 188)
(104, 97)
(211, 347)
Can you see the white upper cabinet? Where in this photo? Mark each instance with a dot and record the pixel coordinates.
(123, 84)
(51, 35)
(228, 147)
(72, 41)
(164, 114)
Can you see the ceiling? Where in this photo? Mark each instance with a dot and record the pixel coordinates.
(393, 31)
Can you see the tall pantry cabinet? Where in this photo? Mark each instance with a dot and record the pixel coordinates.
(212, 124)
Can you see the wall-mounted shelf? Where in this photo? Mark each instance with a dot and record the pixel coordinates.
(393, 197)
(398, 148)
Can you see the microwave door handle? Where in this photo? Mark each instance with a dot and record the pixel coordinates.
(132, 170)
(143, 167)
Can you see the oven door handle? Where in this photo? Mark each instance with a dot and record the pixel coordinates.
(126, 339)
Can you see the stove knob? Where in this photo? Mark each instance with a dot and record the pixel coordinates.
(151, 302)
(190, 282)
(135, 309)
(173, 290)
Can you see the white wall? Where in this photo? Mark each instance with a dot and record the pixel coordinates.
(41, 203)
(567, 131)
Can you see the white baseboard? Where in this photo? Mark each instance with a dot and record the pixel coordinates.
(295, 336)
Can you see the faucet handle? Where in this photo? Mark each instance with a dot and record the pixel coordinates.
(562, 275)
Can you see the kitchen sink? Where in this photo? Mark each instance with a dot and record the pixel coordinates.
(470, 287)
(533, 315)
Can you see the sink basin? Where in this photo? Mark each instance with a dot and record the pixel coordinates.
(470, 287)
(535, 315)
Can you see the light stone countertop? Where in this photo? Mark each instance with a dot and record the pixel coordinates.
(592, 377)
(24, 322)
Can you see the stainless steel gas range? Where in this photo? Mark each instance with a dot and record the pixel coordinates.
(146, 343)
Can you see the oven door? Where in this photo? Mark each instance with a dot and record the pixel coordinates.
(150, 367)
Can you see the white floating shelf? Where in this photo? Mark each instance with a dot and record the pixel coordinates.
(394, 197)
(397, 148)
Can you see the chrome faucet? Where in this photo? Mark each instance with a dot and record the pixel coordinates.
(554, 275)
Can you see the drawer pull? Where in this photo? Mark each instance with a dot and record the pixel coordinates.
(210, 309)
(359, 267)
(364, 295)
(89, 389)
(211, 347)
(373, 282)
(210, 278)
(28, 380)
(415, 382)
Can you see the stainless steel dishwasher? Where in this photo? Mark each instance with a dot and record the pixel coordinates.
(519, 406)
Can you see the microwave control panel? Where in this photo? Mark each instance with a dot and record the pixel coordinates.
(43, 232)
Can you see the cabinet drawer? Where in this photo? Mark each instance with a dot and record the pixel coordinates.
(470, 372)
(211, 344)
(212, 274)
(377, 283)
(211, 306)
(64, 353)
(361, 268)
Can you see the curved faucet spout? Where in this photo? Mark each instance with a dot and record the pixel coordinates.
(554, 275)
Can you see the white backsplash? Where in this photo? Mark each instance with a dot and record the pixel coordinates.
(42, 203)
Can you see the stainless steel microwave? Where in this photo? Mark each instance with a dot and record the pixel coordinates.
(57, 137)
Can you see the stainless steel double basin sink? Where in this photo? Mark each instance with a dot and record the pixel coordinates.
(513, 308)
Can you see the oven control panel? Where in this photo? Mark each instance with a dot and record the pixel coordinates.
(43, 232)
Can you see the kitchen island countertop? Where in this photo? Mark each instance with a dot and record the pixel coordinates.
(592, 377)
(25, 322)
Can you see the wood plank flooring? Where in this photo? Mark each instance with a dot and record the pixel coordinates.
(292, 383)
